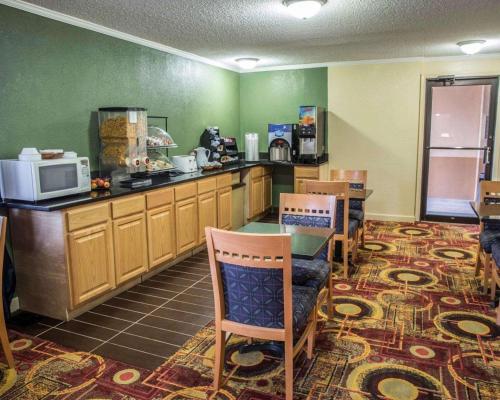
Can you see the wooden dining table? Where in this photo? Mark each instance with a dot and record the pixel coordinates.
(485, 210)
(307, 242)
(360, 194)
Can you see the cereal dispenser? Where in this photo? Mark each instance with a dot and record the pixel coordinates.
(123, 134)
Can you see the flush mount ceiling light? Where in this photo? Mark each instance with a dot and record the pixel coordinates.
(247, 62)
(304, 9)
(471, 46)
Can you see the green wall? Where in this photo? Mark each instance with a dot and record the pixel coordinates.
(275, 97)
(54, 76)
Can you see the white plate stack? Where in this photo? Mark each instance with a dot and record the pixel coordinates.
(251, 146)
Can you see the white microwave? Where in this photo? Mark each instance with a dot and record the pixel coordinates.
(44, 179)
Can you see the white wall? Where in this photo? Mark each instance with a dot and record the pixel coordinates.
(376, 115)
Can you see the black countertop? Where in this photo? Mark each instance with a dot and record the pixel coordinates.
(159, 181)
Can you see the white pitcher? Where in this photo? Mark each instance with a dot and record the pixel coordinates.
(202, 155)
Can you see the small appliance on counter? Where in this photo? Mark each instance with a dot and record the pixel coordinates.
(211, 139)
(281, 144)
(30, 178)
(311, 133)
(251, 147)
(158, 143)
(123, 135)
(185, 164)
(231, 147)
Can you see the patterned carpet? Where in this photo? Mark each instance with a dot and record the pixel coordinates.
(409, 324)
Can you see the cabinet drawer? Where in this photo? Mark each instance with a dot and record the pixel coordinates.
(160, 198)
(255, 172)
(224, 181)
(128, 206)
(207, 185)
(307, 172)
(185, 191)
(267, 171)
(87, 216)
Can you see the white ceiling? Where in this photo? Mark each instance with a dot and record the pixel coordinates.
(344, 30)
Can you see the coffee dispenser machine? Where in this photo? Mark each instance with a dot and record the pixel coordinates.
(281, 142)
(311, 133)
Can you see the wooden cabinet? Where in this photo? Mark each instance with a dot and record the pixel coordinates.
(91, 263)
(161, 235)
(302, 174)
(224, 208)
(186, 224)
(268, 191)
(130, 247)
(256, 196)
(207, 213)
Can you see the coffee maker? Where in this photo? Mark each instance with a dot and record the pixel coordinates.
(281, 144)
(311, 133)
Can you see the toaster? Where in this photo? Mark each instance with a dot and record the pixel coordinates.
(185, 164)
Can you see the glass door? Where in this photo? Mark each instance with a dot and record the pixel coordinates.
(458, 146)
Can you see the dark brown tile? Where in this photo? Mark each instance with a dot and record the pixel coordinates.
(178, 315)
(204, 285)
(187, 269)
(164, 284)
(142, 298)
(207, 294)
(33, 329)
(119, 313)
(70, 339)
(93, 331)
(192, 308)
(173, 279)
(198, 300)
(153, 291)
(174, 338)
(129, 356)
(131, 305)
(102, 320)
(171, 325)
(30, 323)
(154, 347)
(181, 275)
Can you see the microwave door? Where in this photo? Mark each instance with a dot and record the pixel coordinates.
(56, 179)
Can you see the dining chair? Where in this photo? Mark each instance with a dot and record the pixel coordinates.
(357, 179)
(346, 229)
(489, 231)
(4, 337)
(255, 298)
(495, 274)
(313, 211)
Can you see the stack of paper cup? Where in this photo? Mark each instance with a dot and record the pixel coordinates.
(251, 146)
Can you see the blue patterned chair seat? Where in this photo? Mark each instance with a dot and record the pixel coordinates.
(487, 238)
(358, 215)
(254, 296)
(495, 252)
(310, 273)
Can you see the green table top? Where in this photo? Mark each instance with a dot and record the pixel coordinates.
(307, 242)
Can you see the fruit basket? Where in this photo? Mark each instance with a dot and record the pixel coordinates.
(100, 184)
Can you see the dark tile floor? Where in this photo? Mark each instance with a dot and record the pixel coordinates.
(142, 326)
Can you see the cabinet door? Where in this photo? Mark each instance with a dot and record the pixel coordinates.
(131, 253)
(161, 235)
(91, 263)
(224, 208)
(186, 224)
(268, 192)
(257, 193)
(207, 214)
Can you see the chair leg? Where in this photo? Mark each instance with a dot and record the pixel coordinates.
(220, 347)
(345, 256)
(487, 270)
(363, 234)
(4, 337)
(289, 370)
(478, 260)
(312, 335)
(494, 280)
(329, 300)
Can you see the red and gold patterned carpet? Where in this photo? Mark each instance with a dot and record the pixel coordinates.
(409, 324)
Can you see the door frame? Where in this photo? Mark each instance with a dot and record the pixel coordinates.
(454, 81)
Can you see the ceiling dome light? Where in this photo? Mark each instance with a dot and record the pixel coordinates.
(471, 46)
(247, 63)
(304, 9)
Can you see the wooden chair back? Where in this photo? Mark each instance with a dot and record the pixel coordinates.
(341, 192)
(489, 191)
(4, 337)
(350, 175)
(267, 251)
